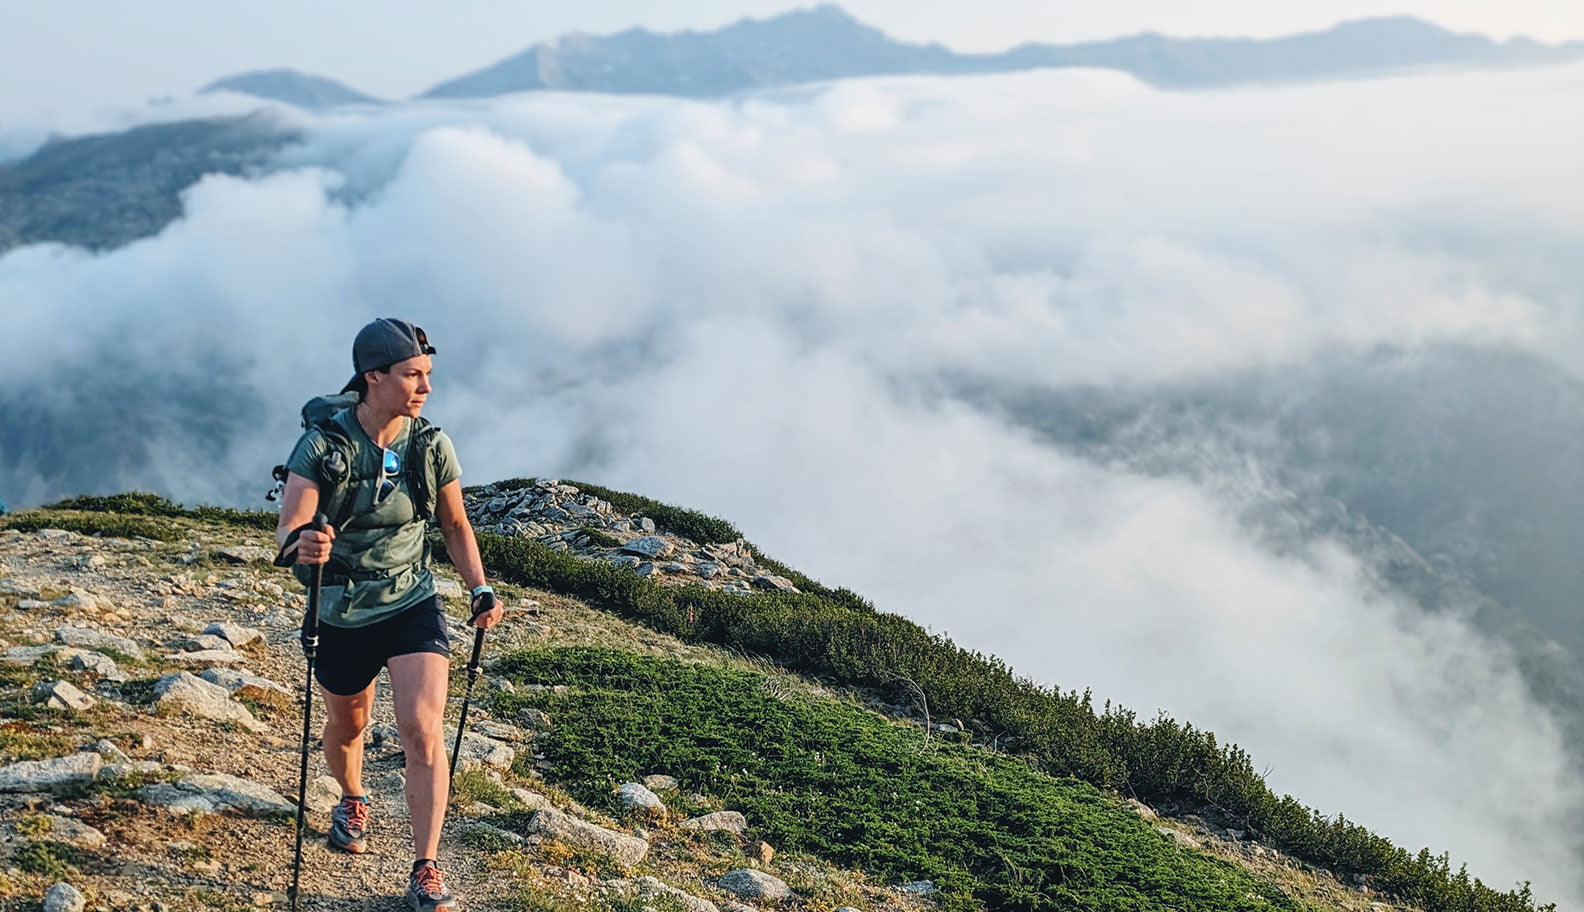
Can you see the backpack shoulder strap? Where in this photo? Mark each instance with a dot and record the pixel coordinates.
(420, 468)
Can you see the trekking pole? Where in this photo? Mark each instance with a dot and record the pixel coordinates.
(310, 641)
(472, 670)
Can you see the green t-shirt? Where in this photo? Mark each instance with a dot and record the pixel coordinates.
(387, 539)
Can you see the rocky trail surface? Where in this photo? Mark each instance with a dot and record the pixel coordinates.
(149, 738)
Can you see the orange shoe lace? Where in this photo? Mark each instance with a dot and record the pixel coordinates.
(429, 879)
(357, 813)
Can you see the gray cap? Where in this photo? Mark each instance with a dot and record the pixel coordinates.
(383, 343)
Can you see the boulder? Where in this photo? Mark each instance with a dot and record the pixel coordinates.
(9, 586)
(551, 823)
(61, 695)
(246, 554)
(97, 663)
(206, 658)
(651, 887)
(83, 638)
(477, 749)
(450, 589)
(72, 832)
(650, 546)
(205, 641)
(324, 793)
(242, 684)
(730, 821)
(533, 718)
(109, 750)
(43, 775)
(188, 695)
(29, 655)
(63, 897)
(234, 634)
(500, 731)
(214, 793)
(661, 783)
(533, 801)
(750, 884)
(636, 798)
(920, 888)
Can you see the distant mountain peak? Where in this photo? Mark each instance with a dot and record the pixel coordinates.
(292, 87)
(826, 42)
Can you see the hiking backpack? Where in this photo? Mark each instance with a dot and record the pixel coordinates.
(338, 486)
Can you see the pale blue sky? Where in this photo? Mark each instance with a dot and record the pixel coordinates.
(63, 57)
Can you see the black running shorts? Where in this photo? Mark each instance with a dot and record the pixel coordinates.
(350, 658)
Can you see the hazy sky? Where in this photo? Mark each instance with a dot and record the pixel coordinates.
(57, 59)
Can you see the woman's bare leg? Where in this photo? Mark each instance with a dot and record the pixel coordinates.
(343, 736)
(418, 686)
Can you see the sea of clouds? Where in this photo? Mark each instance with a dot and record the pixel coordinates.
(752, 307)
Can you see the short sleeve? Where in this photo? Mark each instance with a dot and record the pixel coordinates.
(304, 459)
(447, 469)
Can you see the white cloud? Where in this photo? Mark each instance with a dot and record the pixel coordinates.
(735, 306)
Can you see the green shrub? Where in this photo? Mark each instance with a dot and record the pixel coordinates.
(142, 504)
(1161, 761)
(107, 525)
(819, 776)
(47, 858)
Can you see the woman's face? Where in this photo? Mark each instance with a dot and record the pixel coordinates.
(403, 390)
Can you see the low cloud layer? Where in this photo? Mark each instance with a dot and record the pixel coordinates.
(749, 307)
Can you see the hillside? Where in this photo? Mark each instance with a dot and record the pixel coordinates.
(887, 790)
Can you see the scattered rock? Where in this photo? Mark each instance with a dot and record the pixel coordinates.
(43, 775)
(535, 719)
(129, 768)
(653, 886)
(213, 793)
(500, 731)
(235, 634)
(76, 833)
(9, 586)
(63, 897)
(477, 749)
(649, 546)
(449, 589)
(628, 850)
(183, 693)
(636, 798)
(920, 888)
(89, 562)
(79, 600)
(205, 641)
(751, 884)
(242, 684)
(324, 793)
(730, 821)
(660, 783)
(533, 801)
(1142, 809)
(28, 655)
(1182, 839)
(247, 554)
(97, 663)
(61, 695)
(771, 581)
(384, 734)
(83, 638)
(108, 750)
(206, 658)
(763, 851)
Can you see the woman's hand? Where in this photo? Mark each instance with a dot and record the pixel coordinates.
(487, 610)
(313, 547)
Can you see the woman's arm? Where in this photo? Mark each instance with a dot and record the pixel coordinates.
(462, 546)
(298, 505)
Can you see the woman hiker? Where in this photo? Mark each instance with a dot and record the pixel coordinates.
(379, 471)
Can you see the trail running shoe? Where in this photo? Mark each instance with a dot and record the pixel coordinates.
(349, 824)
(426, 891)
